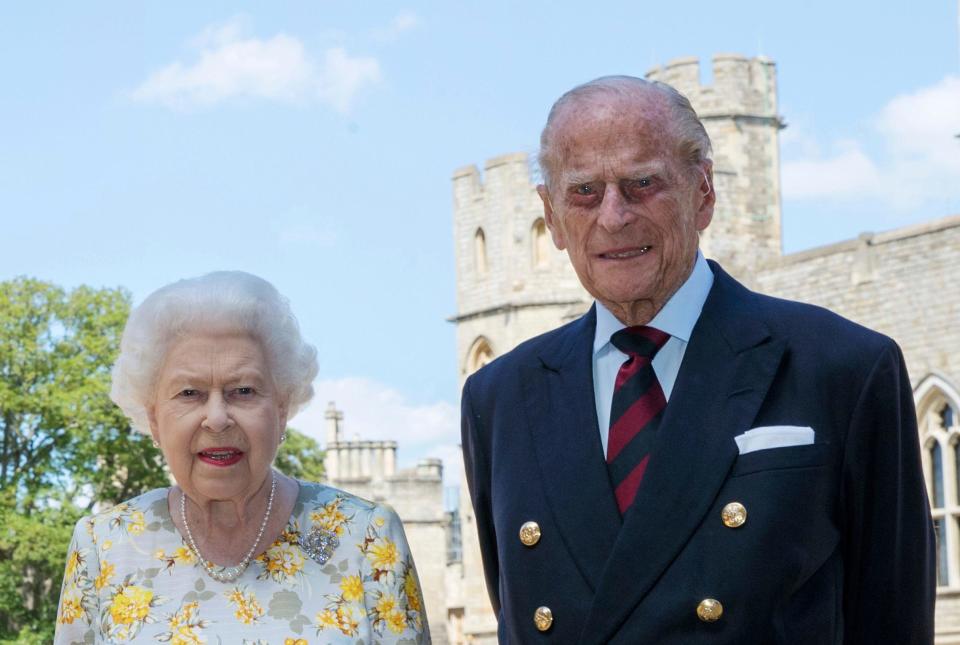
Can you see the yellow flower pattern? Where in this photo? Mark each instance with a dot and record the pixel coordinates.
(106, 573)
(129, 576)
(282, 561)
(383, 554)
(331, 517)
(248, 610)
(352, 588)
(70, 609)
(185, 626)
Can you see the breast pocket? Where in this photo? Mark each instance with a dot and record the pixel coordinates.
(808, 456)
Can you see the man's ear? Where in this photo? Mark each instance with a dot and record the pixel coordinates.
(550, 219)
(707, 195)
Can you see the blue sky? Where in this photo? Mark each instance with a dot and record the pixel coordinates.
(312, 143)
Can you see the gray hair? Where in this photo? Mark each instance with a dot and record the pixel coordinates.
(221, 301)
(693, 142)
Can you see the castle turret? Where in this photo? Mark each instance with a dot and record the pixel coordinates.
(739, 111)
(512, 283)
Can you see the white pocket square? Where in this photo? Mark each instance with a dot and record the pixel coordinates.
(773, 437)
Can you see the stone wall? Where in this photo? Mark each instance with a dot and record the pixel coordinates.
(904, 283)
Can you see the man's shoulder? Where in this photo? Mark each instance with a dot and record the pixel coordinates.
(816, 328)
(550, 345)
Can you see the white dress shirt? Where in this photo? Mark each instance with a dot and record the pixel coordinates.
(676, 318)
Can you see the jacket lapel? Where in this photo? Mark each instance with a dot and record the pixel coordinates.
(562, 417)
(726, 372)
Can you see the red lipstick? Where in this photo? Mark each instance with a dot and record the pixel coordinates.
(225, 456)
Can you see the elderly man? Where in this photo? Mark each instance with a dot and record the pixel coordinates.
(689, 462)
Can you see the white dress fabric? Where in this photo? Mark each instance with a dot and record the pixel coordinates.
(130, 577)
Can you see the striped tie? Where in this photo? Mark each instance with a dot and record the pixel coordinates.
(638, 405)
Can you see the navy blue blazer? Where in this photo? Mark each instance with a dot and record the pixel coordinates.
(838, 545)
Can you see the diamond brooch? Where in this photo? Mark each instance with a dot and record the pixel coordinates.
(319, 544)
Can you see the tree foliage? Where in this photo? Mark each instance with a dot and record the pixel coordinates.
(300, 456)
(62, 441)
(60, 435)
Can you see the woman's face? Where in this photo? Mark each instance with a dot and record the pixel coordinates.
(217, 415)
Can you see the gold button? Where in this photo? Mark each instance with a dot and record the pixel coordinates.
(530, 533)
(734, 514)
(709, 610)
(543, 618)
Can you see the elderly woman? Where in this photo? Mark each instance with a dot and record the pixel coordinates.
(234, 552)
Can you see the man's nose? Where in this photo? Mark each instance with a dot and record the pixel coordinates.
(217, 415)
(615, 211)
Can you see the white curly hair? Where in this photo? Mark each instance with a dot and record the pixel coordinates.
(221, 301)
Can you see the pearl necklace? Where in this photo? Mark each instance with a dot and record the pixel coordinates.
(228, 574)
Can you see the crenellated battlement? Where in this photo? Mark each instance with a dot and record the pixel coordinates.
(742, 87)
(508, 172)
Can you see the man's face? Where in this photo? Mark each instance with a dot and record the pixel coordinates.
(623, 204)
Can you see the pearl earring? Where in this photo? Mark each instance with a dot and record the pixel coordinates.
(156, 444)
(283, 437)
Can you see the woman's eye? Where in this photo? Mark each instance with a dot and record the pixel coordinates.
(244, 391)
(188, 393)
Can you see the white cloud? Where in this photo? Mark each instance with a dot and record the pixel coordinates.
(402, 22)
(231, 66)
(375, 411)
(917, 161)
(847, 174)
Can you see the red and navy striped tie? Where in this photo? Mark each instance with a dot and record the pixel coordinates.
(638, 404)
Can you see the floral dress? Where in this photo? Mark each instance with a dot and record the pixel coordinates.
(130, 577)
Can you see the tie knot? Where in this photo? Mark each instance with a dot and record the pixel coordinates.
(639, 340)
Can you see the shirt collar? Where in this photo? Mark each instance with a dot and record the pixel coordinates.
(678, 315)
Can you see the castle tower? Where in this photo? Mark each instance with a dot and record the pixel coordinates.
(512, 283)
(739, 111)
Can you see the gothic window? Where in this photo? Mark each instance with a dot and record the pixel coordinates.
(480, 252)
(936, 474)
(540, 244)
(937, 402)
(947, 416)
(479, 355)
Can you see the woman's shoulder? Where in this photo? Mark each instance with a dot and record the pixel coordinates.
(315, 496)
(330, 507)
(138, 511)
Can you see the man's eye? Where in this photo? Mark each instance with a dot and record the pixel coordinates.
(634, 188)
(584, 189)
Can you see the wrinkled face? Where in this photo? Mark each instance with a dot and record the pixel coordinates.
(624, 205)
(217, 415)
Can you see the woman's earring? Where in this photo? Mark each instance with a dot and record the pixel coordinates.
(283, 437)
(156, 444)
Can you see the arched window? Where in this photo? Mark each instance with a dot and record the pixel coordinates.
(480, 252)
(947, 417)
(479, 355)
(937, 401)
(540, 242)
(936, 474)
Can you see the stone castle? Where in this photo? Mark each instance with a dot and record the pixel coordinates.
(513, 284)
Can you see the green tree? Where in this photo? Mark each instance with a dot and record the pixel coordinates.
(60, 435)
(32, 550)
(61, 438)
(300, 456)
